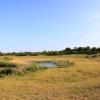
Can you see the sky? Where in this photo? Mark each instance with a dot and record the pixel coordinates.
(37, 25)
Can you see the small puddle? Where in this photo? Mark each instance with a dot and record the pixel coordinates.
(47, 64)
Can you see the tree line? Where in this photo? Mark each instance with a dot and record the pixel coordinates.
(76, 50)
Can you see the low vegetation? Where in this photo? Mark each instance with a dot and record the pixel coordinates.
(77, 79)
(7, 68)
(7, 64)
(64, 64)
(34, 68)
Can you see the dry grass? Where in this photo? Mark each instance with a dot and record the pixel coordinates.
(79, 82)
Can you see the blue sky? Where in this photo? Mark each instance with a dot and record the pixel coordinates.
(36, 25)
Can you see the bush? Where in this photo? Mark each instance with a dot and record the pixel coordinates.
(7, 68)
(6, 71)
(7, 64)
(33, 68)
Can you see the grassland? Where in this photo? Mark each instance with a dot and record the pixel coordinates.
(78, 82)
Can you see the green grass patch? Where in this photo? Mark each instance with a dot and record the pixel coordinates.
(34, 68)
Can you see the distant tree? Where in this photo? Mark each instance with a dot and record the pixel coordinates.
(94, 50)
(80, 50)
(75, 50)
(98, 50)
(1, 54)
(68, 51)
(87, 50)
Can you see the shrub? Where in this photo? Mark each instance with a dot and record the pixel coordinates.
(32, 68)
(7, 64)
(6, 71)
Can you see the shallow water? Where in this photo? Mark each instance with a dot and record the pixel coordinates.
(47, 64)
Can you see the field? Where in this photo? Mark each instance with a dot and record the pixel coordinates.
(80, 81)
